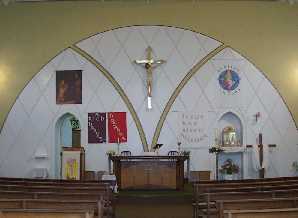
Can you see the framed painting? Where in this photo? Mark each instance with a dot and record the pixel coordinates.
(229, 137)
(69, 87)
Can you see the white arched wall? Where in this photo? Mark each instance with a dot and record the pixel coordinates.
(35, 111)
(255, 93)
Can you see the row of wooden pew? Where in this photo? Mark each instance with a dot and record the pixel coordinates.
(55, 198)
(272, 197)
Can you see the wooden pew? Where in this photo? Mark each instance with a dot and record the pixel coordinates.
(50, 195)
(101, 189)
(248, 195)
(64, 188)
(278, 179)
(24, 191)
(36, 179)
(207, 193)
(90, 205)
(45, 213)
(264, 213)
(209, 186)
(206, 203)
(16, 195)
(227, 206)
(19, 188)
(238, 184)
(8, 180)
(247, 188)
(220, 207)
(107, 200)
(50, 182)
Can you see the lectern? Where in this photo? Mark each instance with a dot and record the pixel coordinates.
(72, 163)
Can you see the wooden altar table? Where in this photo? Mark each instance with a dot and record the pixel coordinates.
(149, 172)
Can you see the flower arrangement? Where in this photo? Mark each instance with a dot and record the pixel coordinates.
(215, 149)
(185, 153)
(111, 153)
(229, 167)
(295, 166)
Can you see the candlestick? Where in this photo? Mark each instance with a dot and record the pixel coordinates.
(118, 145)
(179, 147)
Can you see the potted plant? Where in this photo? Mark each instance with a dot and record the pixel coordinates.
(185, 153)
(295, 166)
(229, 169)
(111, 153)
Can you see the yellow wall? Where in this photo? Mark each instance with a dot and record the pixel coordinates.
(33, 33)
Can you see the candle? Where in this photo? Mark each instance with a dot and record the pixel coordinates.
(216, 135)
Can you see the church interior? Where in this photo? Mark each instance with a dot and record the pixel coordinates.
(146, 108)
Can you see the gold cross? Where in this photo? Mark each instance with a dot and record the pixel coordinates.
(149, 65)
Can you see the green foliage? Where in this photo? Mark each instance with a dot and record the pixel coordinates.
(111, 153)
(186, 153)
(215, 149)
(295, 166)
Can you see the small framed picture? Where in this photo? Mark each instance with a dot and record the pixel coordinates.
(69, 87)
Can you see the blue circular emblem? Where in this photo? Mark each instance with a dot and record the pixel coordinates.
(228, 80)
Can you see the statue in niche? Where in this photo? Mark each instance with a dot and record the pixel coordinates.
(229, 137)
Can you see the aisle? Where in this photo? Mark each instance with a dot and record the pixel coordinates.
(153, 210)
(154, 205)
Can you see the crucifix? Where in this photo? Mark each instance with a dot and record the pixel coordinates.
(149, 65)
(261, 154)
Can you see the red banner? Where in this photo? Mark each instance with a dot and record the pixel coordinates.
(117, 127)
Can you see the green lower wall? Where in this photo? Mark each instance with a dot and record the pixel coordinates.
(33, 33)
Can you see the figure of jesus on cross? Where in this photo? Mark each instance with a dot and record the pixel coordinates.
(149, 65)
(261, 154)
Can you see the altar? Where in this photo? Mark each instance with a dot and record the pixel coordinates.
(149, 172)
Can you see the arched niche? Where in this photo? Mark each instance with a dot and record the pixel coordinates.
(67, 134)
(230, 130)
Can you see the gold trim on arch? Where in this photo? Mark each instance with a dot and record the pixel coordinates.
(177, 91)
(118, 89)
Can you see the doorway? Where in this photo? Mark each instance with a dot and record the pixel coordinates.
(67, 134)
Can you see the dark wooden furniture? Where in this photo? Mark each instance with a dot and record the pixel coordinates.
(49, 193)
(149, 172)
(211, 198)
(89, 205)
(46, 213)
(173, 153)
(200, 175)
(90, 175)
(125, 153)
(80, 162)
(228, 208)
